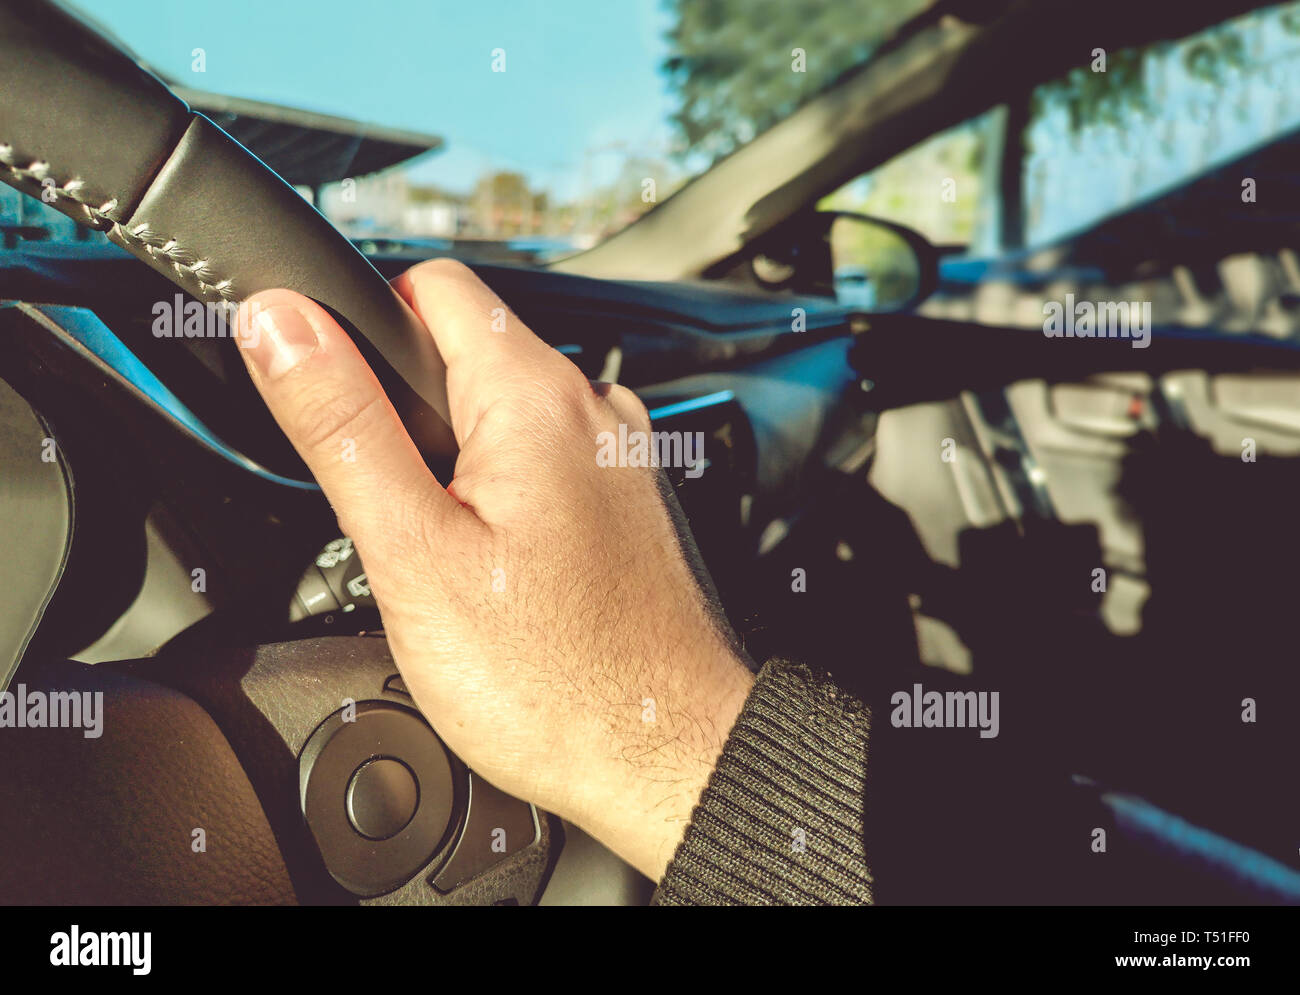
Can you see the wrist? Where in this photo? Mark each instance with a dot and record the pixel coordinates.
(657, 765)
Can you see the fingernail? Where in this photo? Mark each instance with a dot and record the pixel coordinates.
(282, 338)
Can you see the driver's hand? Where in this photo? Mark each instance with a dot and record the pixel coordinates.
(543, 610)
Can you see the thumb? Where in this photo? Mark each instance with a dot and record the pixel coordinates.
(329, 403)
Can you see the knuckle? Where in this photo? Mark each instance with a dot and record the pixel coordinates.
(401, 538)
(443, 270)
(629, 406)
(575, 397)
(324, 416)
(566, 380)
(558, 388)
(554, 405)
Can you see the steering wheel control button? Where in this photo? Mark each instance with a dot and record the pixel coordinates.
(380, 794)
(496, 826)
(334, 553)
(349, 583)
(344, 576)
(313, 596)
(336, 581)
(382, 798)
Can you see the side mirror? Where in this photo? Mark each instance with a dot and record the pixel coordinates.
(862, 262)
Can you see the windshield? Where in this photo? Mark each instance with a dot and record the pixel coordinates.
(541, 128)
(528, 132)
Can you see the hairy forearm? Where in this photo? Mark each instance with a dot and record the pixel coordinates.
(663, 745)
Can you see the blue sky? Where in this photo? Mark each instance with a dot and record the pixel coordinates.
(580, 74)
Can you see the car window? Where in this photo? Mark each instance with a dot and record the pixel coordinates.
(1098, 141)
(937, 187)
(1157, 117)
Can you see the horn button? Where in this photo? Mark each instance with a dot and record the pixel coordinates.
(379, 794)
(382, 798)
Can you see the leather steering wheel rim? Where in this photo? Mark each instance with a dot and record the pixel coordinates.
(88, 131)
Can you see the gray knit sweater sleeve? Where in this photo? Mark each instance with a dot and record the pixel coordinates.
(782, 819)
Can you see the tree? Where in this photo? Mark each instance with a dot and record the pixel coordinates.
(732, 60)
(503, 204)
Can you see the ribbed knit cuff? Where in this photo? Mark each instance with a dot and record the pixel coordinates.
(782, 820)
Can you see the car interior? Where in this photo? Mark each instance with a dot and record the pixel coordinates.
(1105, 533)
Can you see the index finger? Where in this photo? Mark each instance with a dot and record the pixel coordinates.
(483, 344)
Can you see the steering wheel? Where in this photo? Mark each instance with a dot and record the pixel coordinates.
(318, 739)
(91, 133)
